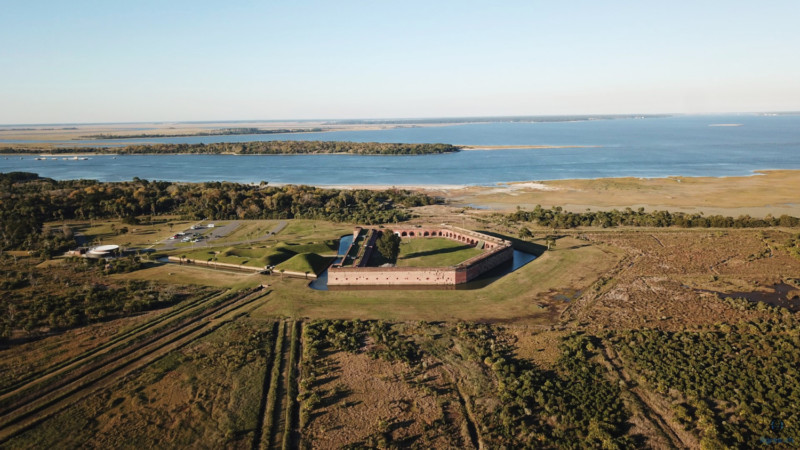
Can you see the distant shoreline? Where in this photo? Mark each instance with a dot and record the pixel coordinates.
(301, 147)
(522, 147)
(107, 151)
(536, 185)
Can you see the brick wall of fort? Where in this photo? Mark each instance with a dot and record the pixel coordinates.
(391, 276)
(468, 237)
(497, 251)
(477, 266)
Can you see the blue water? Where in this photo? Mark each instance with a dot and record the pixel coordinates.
(344, 244)
(656, 147)
(321, 282)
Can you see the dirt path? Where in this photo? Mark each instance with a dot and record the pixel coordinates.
(469, 416)
(268, 428)
(291, 438)
(38, 406)
(656, 414)
(271, 359)
(657, 240)
(278, 412)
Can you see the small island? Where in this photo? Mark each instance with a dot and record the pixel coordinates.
(253, 148)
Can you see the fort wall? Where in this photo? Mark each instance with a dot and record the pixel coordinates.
(477, 266)
(496, 251)
(391, 276)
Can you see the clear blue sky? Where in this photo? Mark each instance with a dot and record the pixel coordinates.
(111, 61)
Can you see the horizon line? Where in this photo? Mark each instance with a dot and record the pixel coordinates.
(385, 120)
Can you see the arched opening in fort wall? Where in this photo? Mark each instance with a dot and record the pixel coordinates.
(496, 251)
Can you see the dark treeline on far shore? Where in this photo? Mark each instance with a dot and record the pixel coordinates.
(493, 119)
(217, 132)
(558, 218)
(256, 148)
(27, 202)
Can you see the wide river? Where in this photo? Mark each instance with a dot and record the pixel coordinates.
(653, 147)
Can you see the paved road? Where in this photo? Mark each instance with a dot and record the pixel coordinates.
(169, 244)
(220, 232)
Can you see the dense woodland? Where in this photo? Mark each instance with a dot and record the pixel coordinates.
(573, 406)
(727, 384)
(558, 218)
(28, 201)
(256, 148)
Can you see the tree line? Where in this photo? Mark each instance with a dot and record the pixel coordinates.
(217, 132)
(556, 217)
(27, 201)
(256, 148)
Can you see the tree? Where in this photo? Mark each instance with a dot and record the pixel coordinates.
(525, 233)
(67, 231)
(388, 245)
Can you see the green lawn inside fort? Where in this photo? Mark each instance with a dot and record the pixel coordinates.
(434, 252)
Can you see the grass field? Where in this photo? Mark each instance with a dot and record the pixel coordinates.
(434, 252)
(260, 255)
(524, 295)
(310, 263)
(188, 274)
(117, 232)
(247, 230)
(301, 230)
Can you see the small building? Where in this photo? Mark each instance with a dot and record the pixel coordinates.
(80, 251)
(103, 251)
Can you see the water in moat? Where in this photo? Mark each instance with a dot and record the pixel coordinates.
(520, 259)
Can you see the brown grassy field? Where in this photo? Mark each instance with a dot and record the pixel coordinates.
(668, 279)
(227, 380)
(189, 274)
(207, 391)
(769, 192)
(527, 295)
(43, 353)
